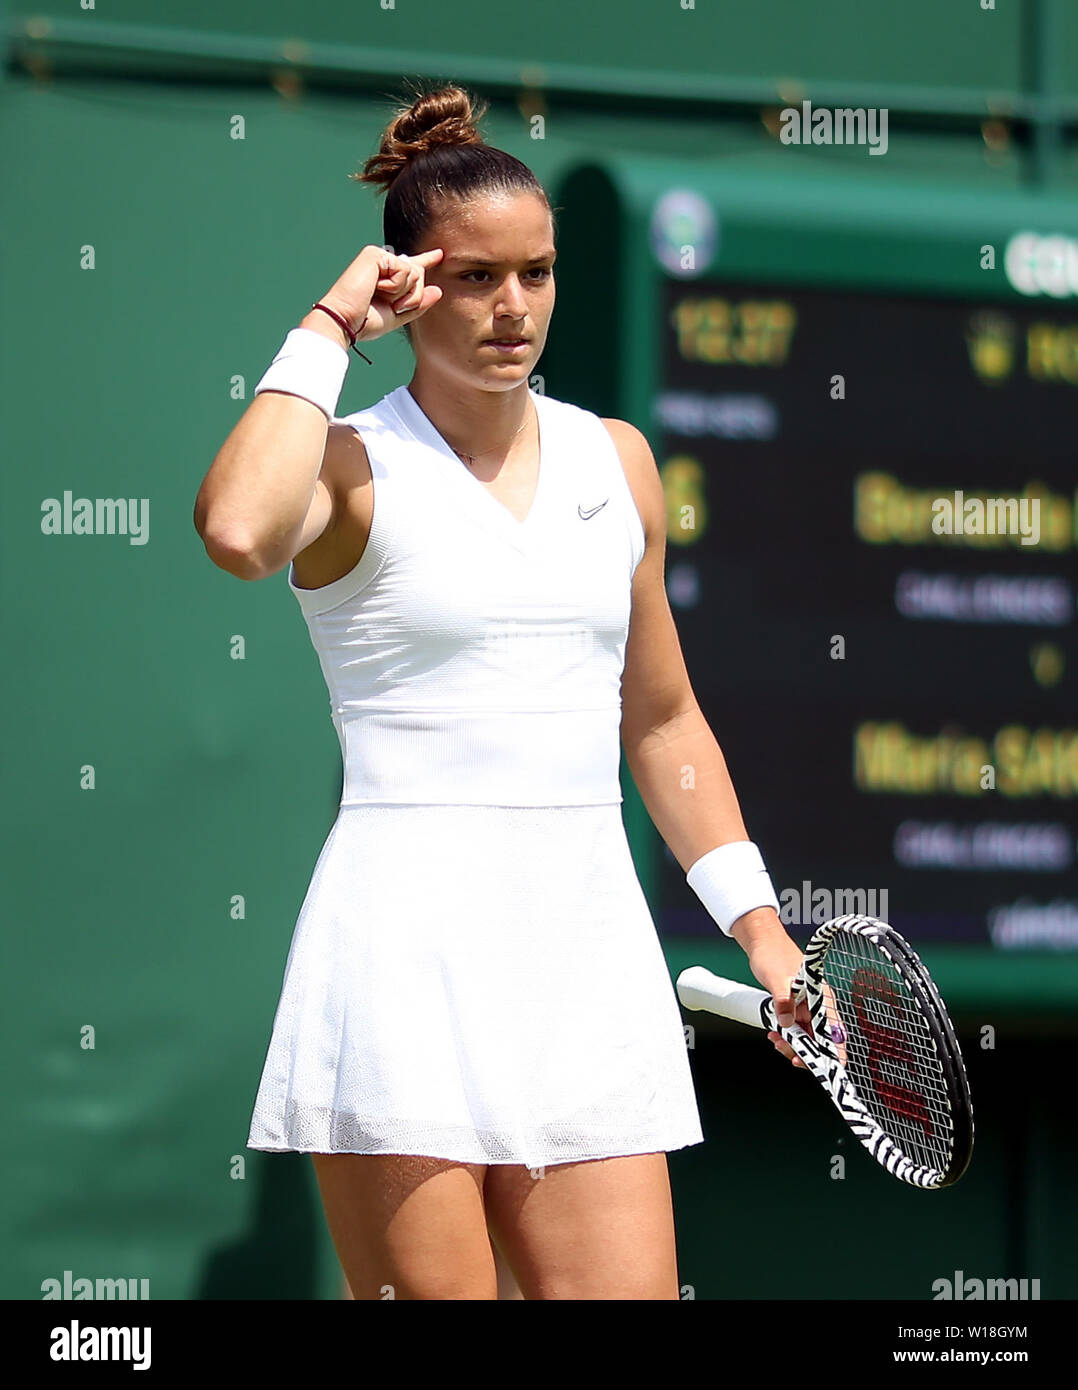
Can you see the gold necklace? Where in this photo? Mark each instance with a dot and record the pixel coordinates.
(470, 459)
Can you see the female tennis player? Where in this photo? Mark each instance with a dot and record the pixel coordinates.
(477, 1038)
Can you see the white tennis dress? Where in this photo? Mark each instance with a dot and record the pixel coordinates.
(475, 973)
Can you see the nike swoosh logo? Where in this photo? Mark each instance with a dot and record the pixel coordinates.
(586, 514)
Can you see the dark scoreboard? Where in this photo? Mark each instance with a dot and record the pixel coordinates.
(872, 561)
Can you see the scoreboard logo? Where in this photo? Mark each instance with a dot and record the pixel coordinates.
(684, 233)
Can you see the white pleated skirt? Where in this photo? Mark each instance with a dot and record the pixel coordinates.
(477, 983)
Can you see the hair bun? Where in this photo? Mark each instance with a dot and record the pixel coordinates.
(447, 116)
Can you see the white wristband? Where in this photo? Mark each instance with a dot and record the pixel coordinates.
(308, 365)
(731, 880)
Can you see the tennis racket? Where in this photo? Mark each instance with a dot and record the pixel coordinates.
(881, 1045)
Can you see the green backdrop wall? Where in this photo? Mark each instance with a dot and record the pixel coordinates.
(169, 747)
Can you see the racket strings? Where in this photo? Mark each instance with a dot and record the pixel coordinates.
(888, 1049)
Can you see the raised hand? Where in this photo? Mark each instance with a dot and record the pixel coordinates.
(381, 291)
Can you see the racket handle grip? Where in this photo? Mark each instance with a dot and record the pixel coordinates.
(698, 988)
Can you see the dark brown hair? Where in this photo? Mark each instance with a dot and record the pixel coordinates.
(432, 151)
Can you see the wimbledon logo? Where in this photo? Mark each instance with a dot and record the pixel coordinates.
(684, 233)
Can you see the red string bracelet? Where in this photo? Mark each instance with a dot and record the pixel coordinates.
(342, 324)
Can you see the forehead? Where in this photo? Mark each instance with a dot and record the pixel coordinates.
(493, 226)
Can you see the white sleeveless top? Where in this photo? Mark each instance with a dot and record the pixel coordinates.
(472, 659)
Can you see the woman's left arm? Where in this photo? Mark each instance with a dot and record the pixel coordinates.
(675, 759)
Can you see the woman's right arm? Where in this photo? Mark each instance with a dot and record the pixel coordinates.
(272, 490)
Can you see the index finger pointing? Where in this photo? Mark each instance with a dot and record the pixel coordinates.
(426, 258)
